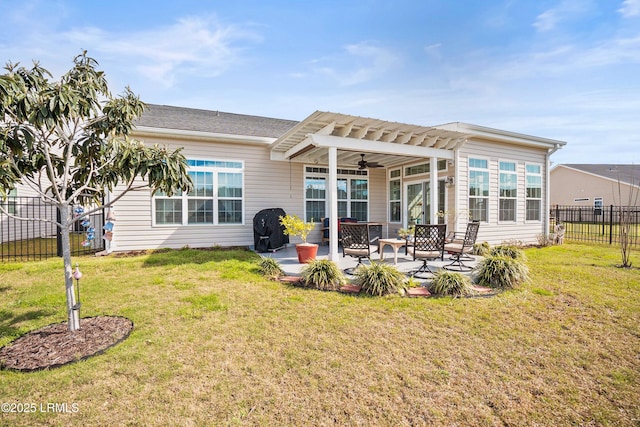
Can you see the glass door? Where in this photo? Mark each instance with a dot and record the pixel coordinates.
(419, 202)
(416, 203)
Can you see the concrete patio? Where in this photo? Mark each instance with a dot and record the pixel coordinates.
(288, 260)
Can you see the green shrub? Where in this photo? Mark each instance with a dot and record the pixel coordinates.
(500, 271)
(412, 282)
(544, 240)
(270, 268)
(481, 249)
(451, 283)
(323, 274)
(508, 251)
(379, 279)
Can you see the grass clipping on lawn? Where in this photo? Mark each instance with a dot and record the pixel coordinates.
(217, 344)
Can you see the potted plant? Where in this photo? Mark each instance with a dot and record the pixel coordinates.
(405, 233)
(296, 226)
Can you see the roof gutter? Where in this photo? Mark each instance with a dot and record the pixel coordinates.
(144, 131)
(500, 135)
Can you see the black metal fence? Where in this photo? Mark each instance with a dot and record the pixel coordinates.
(598, 225)
(35, 239)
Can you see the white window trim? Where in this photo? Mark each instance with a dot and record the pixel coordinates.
(185, 198)
(542, 195)
(304, 192)
(11, 201)
(488, 197)
(389, 200)
(403, 169)
(515, 173)
(326, 199)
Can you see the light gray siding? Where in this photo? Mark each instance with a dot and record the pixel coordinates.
(278, 184)
(495, 231)
(267, 184)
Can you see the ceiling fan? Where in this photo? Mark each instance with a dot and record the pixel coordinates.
(363, 164)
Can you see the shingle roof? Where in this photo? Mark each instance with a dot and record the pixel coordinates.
(191, 119)
(629, 174)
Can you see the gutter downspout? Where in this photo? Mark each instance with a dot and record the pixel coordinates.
(547, 221)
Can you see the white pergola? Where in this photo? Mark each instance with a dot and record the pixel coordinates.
(337, 140)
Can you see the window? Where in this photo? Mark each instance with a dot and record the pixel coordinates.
(597, 205)
(315, 196)
(534, 192)
(359, 195)
(395, 196)
(423, 168)
(478, 189)
(508, 192)
(597, 202)
(216, 197)
(10, 202)
(353, 193)
(200, 198)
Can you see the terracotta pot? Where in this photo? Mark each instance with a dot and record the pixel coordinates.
(306, 252)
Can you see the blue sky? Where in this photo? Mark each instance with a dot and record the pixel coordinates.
(560, 69)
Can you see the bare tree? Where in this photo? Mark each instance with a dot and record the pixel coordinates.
(628, 203)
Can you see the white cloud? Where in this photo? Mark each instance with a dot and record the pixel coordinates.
(359, 63)
(193, 46)
(434, 50)
(547, 20)
(564, 11)
(630, 8)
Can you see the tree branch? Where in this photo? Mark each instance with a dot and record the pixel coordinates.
(130, 187)
(51, 173)
(86, 185)
(4, 211)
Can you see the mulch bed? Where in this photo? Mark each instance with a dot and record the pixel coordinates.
(54, 345)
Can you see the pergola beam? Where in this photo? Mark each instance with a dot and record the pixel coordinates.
(360, 133)
(350, 144)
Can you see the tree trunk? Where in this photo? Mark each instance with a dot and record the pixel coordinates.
(73, 311)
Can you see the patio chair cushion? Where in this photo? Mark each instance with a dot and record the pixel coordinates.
(456, 247)
(427, 254)
(357, 252)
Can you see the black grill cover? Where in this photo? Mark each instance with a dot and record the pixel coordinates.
(268, 233)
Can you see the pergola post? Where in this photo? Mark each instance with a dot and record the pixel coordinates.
(433, 189)
(332, 190)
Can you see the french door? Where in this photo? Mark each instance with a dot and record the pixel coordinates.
(419, 202)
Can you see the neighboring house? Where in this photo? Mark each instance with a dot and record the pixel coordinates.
(242, 164)
(23, 201)
(594, 185)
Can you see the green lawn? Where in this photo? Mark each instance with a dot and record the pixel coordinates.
(216, 344)
(41, 248)
(599, 233)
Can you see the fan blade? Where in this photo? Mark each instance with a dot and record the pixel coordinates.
(363, 164)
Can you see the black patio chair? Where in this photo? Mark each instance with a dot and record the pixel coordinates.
(459, 248)
(355, 243)
(428, 245)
